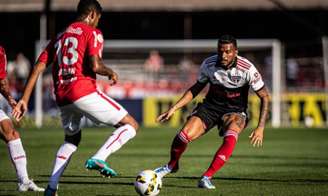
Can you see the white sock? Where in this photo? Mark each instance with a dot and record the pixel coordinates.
(63, 156)
(119, 137)
(18, 157)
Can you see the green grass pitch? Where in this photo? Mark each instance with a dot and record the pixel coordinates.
(292, 162)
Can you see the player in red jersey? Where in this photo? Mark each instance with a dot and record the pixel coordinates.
(75, 55)
(11, 136)
(225, 105)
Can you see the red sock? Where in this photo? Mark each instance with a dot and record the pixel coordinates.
(178, 146)
(223, 153)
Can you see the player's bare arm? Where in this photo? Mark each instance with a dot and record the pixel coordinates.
(256, 136)
(4, 90)
(100, 68)
(263, 94)
(21, 106)
(184, 100)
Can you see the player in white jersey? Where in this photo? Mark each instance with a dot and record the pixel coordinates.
(11, 136)
(229, 77)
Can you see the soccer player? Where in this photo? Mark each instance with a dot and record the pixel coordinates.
(11, 136)
(229, 77)
(75, 55)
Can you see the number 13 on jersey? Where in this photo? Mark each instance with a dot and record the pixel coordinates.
(66, 58)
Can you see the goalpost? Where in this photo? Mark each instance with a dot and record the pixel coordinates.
(325, 69)
(273, 45)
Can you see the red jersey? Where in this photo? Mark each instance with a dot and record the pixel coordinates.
(71, 70)
(3, 63)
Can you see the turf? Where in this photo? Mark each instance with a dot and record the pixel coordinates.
(292, 162)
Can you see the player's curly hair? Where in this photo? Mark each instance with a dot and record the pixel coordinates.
(86, 6)
(227, 39)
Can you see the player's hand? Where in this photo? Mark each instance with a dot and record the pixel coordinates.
(256, 137)
(113, 78)
(165, 116)
(12, 102)
(19, 110)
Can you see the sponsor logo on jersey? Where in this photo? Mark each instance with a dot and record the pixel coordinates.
(232, 94)
(77, 31)
(235, 78)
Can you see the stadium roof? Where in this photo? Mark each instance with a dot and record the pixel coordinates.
(167, 5)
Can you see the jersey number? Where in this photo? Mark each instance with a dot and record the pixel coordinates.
(71, 56)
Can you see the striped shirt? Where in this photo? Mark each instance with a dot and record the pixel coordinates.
(229, 87)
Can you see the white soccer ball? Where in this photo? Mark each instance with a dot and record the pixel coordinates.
(148, 183)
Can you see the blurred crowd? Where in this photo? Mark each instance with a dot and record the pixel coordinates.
(17, 73)
(159, 79)
(305, 74)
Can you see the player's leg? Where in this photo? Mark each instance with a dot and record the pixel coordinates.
(126, 131)
(71, 123)
(192, 130)
(233, 124)
(17, 154)
(102, 109)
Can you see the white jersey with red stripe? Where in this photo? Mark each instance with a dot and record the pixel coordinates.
(229, 87)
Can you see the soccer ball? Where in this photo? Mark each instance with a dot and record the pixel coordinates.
(148, 183)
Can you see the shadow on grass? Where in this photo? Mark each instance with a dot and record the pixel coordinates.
(241, 156)
(88, 176)
(115, 195)
(279, 157)
(73, 176)
(15, 181)
(98, 183)
(90, 180)
(318, 181)
(5, 192)
(291, 180)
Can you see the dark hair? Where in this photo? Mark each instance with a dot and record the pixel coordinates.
(86, 6)
(227, 39)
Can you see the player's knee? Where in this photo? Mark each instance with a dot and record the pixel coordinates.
(234, 122)
(135, 125)
(128, 120)
(132, 122)
(185, 136)
(10, 134)
(74, 139)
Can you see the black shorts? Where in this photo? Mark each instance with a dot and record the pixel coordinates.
(212, 117)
